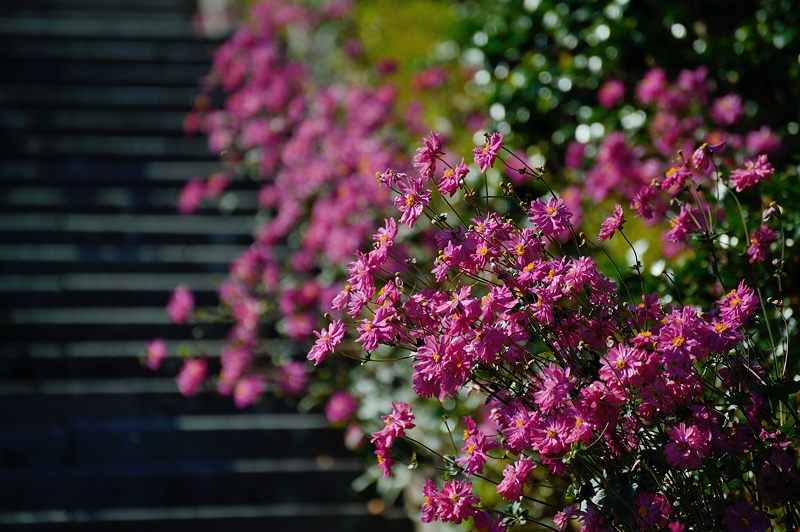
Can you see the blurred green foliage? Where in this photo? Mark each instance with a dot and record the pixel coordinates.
(539, 62)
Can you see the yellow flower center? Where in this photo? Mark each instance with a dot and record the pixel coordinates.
(551, 433)
(483, 251)
(449, 172)
(720, 327)
(645, 334)
(678, 341)
(551, 211)
(529, 267)
(620, 363)
(642, 512)
(410, 200)
(735, 301)
(519, 249)
(520, 423)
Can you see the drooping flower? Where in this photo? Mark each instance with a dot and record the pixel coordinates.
(612, 224)
(427, 154)
(484, 156)
(327, 340)
(753, 173)
(759, 243)
(515, 476)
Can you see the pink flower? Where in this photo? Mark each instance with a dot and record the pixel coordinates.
(701, 159)
(574, 155)
(413, 199)
(753, 173)
(327, 340)
(216, 184)
(554, 387)
(741, 517)
(341, 406)
(452, 178)
(181, 304)
(727, 110)
(476, 445)
(191, 376)
(456, 501)
(248, 390)
(686, 448)
(155, 353)
(651, 86)
(610, 93)
(551, 217)
(738, 305)
(191, 196)
(514, 479)
(292, 378)
(484, 157)
(642, 202)
(612, 224)
(427, 154)
(621, 365)
(763, 140)
(652, 510)
(759, 243)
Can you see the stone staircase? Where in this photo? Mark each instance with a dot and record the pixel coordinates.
(92, 96)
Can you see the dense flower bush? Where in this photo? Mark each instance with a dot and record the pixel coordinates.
(651, 410)
(659, 394)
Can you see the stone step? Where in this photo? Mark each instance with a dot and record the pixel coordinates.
(132, 74)
(41, 146)
(89, 97)
(68, 171)
(174, 483)
(293, 517)
(113, 49)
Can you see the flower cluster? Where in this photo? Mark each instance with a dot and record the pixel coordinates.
(656, 412)
(312, 148)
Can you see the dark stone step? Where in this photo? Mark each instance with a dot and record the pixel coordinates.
(119, 266)
(168, 254)
(92, 97)
(342, 517)
(64, 332)
(93, 25)
(184, 6)
(118, 122)
(67, 171)
(41, 146)
(99, 443)
(174, 484)
(109, 50)
(39, 71)
(80, 299)
(54, 402)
